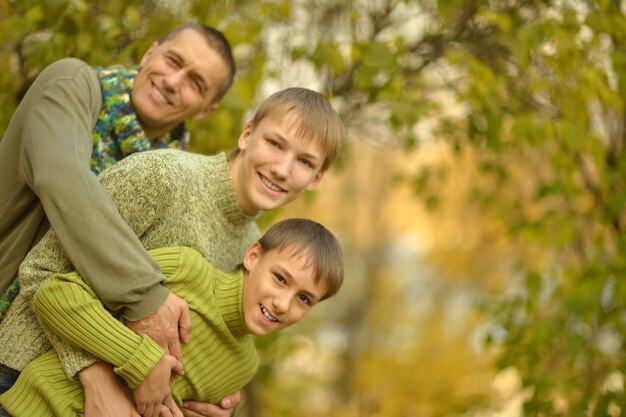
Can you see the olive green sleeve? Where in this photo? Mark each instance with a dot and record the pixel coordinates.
(69, 308)
(55, 156)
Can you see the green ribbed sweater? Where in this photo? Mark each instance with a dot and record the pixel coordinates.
(168, 198)
(219, 359)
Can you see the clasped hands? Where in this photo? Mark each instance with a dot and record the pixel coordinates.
(108, 397)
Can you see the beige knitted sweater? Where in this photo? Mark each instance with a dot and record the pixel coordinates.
(168, 198)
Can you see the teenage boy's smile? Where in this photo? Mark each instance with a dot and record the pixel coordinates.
(269, 184)
(276, 163)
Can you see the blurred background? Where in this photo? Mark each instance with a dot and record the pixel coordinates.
(480, 198)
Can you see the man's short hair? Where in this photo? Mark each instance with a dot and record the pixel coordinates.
(217, 42)
(303, 237)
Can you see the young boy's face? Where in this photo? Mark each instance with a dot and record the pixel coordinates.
(279, 289)
(275, 164)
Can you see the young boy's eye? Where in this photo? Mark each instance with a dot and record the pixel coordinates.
(305, 299)
(279, 278)
(306, 163)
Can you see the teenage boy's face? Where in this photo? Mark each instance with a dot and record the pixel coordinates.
(279, 289)
(276, 164)
(178, 80)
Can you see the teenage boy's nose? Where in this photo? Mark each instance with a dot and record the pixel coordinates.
(282, 167)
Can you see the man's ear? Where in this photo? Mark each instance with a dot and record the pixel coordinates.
(315, 181)
(148, 53)
(209, 108)
(244, 138)
(252, 255)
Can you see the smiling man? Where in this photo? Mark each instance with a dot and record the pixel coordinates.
(74, 122)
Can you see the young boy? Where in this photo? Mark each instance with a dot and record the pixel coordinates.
(174, 198)
(296, 264)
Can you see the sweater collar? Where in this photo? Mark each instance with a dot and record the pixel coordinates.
(225, 195)
(229, 302)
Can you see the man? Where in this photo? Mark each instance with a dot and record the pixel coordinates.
(173, 198)
(76, 120)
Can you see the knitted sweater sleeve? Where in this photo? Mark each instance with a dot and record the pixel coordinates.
(140, 188)
(69, 308)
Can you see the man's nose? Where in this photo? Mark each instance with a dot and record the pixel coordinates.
(174, 80)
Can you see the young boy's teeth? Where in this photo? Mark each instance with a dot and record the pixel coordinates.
(267, 314)
(271, 185)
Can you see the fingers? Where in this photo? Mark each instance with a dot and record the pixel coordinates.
(231, 401)
(174, 349)
(171, 407)
(165, 412)
(184, 324)
(177, 369)
(149, 412)
(198, 409)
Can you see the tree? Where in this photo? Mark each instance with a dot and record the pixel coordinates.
(542, 96)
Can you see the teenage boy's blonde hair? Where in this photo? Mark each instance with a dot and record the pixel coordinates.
(316, 117)
(308, 238)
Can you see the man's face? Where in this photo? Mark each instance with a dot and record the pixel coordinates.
(275, 164)
(279, 289)
(178, 80)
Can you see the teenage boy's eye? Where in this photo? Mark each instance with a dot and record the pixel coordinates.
(273, 143)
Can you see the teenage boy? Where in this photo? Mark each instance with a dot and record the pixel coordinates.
(174, 198)
(295, 265)
(75, 121)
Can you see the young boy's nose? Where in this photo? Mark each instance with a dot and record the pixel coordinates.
(281, 303)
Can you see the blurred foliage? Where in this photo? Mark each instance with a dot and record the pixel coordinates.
(526, 96)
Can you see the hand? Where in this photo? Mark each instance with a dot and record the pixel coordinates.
(225, 409)
(164, 324)
(155, 388)
(105, 396)
(170, 409)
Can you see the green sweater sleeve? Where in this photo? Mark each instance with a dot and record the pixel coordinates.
(69, 308)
